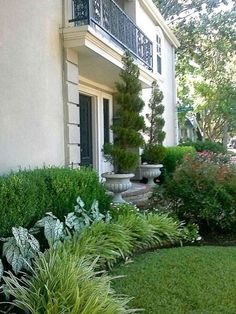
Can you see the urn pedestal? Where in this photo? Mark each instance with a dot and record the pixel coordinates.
(150, 172)
(117, 183)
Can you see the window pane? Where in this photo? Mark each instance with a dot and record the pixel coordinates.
(159, 69)
(106, 119)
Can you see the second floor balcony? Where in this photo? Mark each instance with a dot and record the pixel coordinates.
(111, 20)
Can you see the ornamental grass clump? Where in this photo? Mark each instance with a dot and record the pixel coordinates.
(107, 241)
(129, 123)
(61, 283)
(125, 235)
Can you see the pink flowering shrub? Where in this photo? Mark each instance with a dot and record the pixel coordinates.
(203, 191)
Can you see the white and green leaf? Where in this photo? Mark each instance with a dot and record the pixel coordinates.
(1, 269)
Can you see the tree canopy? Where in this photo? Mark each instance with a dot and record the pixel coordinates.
(206, 60)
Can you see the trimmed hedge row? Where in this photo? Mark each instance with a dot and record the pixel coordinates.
(27, 195)
(174, 155)
(208, 145)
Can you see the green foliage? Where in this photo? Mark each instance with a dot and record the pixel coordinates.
(174, 10)
(155, 131)
(23, 247)
(217, 108)
(61, 283)
(129, 123)
(205, 193)
(123, 209)
(140, 231)
(166, 229)
(1, 269)
(27, 195)
(59, 279)
(122, 159)
(107, 241)
(206, 145)
(153, 154)
(20, 249)
(181, 280)
(174, 156)
(76, 221)
(206, 64)
(127, 233)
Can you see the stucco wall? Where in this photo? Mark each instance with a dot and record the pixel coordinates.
(166, 81)
(31, 104)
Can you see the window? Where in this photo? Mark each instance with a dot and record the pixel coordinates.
(159, 67)
(106, 120)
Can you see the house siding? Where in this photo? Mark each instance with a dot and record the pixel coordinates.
(31, 102)
(41, 80)
(166, 81)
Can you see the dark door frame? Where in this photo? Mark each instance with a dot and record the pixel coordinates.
(86, 130)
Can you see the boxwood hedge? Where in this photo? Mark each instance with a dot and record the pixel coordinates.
(25, 196)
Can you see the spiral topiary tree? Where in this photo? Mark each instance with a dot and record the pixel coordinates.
(154, 152)
(128, 123)
(155, 130)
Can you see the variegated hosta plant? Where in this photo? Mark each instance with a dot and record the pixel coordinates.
(1, 270)
(55, 230)
(20, 249)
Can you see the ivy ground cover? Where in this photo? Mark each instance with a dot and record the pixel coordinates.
(181, 280)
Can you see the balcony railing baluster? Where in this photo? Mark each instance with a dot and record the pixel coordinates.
(110, 18)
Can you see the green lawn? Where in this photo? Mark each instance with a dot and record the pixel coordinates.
(181, 280)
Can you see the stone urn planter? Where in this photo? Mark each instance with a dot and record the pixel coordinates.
(117, 183)
(150, 172)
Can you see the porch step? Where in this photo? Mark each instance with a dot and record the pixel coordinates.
(138, 194)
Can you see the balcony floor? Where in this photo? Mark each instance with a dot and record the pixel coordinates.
(99, 58)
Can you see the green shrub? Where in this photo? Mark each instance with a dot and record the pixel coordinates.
(61, 283)
(204, 192)
(26, 196)
(153, 154)
(175, 155)
(201, 146)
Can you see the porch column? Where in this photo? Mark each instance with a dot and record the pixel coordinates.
(72, 114)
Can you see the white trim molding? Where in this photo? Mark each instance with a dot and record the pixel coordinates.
(158, 19)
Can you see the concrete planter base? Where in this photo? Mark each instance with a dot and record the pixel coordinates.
(117, 183)
(150, 172)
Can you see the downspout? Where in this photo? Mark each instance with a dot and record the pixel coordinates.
(176, 135)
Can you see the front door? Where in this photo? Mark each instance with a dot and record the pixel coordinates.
(86, 145)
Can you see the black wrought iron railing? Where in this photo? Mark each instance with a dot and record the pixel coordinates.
(110, 18)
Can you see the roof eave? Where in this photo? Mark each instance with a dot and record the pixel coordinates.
(156, 16)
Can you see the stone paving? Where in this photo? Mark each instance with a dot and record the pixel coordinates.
(138, 194)
(233, 159)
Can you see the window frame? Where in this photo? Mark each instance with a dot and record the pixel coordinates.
(159, 53)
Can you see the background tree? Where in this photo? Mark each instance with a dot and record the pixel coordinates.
(206, 60)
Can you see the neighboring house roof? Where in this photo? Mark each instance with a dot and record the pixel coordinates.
(193, 121)
(159, 20)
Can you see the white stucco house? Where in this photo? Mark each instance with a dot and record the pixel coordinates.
(59, 60)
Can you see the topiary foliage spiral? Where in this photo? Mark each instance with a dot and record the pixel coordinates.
(129, 123)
